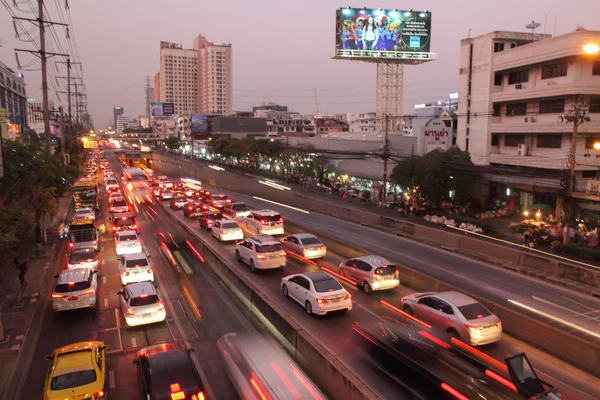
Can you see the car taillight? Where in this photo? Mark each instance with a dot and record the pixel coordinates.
(321, 301)
(280, 220)
(323, 248)
(129, 311)
(347, 296)
(69, 266)
(150, 270)
(161, 305)
(261, 256)
(125, 273)
(198, 396)
(134, 226)
(499, 323)
(88, 291)
(119, 244)
(472, 328)
(57, 296)
(190, 208)
(229, 201)
(282, 253)
(115, 228)
(136, 244)
(98, 395)
(71, 244)
(263, 221)
(176, 393)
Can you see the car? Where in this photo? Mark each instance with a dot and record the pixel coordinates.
(166, 184)
(219, 201)
(178, 187)
(236, 210)
(124, 222)
(111, 184)
(306, 245)
(261, 252)
(318, 292)
(77, 371)
(192, 193)
(457, 314)
(114, 195)
(85, 212)
(371, 273)
(127, 242)
(165, 194)
(226, 230)
(75, 289)
(265, 222)
(208, 218)
(86, 257)
(178, 202)
(194, 209)
(118, 205)
(166, 372)
(141, 304)
(135, 268)
(161, 178)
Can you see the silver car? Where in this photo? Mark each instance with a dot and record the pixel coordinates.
(306, 245)
(371, 273)
(457, 314)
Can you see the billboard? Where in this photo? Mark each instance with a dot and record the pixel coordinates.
(168, 108)
(199, 123)
(382, 33)
(157, 109)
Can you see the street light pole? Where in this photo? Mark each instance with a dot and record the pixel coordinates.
(386, 156)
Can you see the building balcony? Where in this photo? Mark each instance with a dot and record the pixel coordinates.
(563, 86)
(540, 123)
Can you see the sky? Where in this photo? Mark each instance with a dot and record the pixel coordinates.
(281, 49)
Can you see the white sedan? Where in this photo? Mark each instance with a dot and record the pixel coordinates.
(127, 242)
(226, 230)
(306, 245)
(85, 212)
(317, 291)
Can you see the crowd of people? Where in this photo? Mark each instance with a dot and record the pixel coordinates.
(367, 34)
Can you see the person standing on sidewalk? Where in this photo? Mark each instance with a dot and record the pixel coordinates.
(22, 267)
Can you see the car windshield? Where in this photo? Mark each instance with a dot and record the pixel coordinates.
(125, 222)
(269, 248)
(127, 237)
(83, 211)
(474, 311)
(310, 241)
(271, 218)
(79, 256)
(119, 203)
(214, 216)
(239, 207)
(111, 181)
(229, 225)
(144, 301)
(327, 285)
(142, 262)
(73, 380)
(71, 287)
(386, 270)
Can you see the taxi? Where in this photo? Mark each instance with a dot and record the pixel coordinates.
(78, 371)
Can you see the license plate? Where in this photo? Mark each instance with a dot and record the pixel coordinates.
(336, 300)
(146, 315)
(71, 298)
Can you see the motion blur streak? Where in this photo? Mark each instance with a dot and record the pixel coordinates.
(149, 199)
(286, 381)
(152, 209)
(168, 254)
(501, 379)
(192, 304)
(364, 335)
(454, 392)
(306, 384)
(282, 205)
(258, 388)
(193, 249)
(275, 185)
(435, 340)
(299, 257)
(349, 280)
(216, 168)
(385, 303)
(150, 215)
(478, 354)
(552, 317)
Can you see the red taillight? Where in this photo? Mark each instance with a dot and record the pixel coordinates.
(99, 395)
(176, 393)
(264, 221)
(348, 296)
(471, 328)
(57, 296)
(88, 291)
(282, 253)
(198, 396)
(71, 244)
(323, 248)
(280, 220)
(190, 208)
(134, 226)
(125, 273)
(229, 201)
(115, 228)
(161, 305)
(261, 256)
(258, 388)
(129, 311)
(321, 301)
(69, 266)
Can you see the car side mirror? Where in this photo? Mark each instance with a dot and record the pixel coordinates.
(105, 347)
(156, 286)
(49, 357)
(55, 276)
(119, 293)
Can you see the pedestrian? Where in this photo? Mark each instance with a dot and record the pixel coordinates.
(22, 267)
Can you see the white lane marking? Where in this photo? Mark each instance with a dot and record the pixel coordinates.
(280, 204)
(183, 262)
(111, 379)
(578, 303)
(104, 279)
(133, 342)
(552, 317)
(105, 302)
(565, 384)
(559, 306)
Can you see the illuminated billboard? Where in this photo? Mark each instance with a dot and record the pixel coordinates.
(157, 109)
(199, 123)
(383, 34)
(168, 108)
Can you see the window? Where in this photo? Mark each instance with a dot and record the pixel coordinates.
(552, 106)
(549, 141)
(498, 47)
(596, 68)
(496, 110)
(513, 140)
(498, 79)
(589, 142)
(518, 77)
(589, 174)
(474, 311)
(516, 109)
(554, 70)
(495, 139)
(595, 105)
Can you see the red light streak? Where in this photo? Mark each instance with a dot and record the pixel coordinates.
(193, 249)
(454, 392)
(385, 303)
(192, 304)
(153, 210)
(168, 253)
(352, 281)
(286, 381)
(258, 387)
(501, 379)
(364, 335)
(435, 339)
(306, 384)
(476, 353)
(150, 216)
(299, 257)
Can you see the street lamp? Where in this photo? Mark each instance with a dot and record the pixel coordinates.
(596, 145)
(591, 48)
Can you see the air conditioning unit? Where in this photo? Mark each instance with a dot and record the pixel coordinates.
(522, 150)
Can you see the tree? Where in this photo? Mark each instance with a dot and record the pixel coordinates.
(172, 143)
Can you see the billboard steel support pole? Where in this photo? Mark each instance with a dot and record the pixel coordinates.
(390, 78)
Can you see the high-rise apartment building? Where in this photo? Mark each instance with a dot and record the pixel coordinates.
(156, 97)
(214, 76)
(178, 77)
(116, 112)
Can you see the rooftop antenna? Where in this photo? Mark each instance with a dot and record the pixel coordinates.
(533, 26)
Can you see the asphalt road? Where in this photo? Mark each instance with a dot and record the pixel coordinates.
(489, 281)
(216, 315)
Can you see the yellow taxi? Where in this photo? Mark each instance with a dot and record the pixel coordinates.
(78, 371)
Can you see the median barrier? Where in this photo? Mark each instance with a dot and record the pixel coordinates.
(330, 373)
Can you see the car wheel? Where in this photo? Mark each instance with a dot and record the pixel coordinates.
(238, 256)
(252, 266)
(284, 289)
(453, 333)
(308, 307)
(408, 310)
(367, 288)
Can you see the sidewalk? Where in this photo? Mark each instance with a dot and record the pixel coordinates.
(17, 306)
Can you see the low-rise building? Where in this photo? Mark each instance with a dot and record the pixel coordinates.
(281, 123)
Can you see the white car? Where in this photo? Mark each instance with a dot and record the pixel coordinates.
(135, 268)
(141, 305)
(75, 288)
(261, 252)
(85, 212)
(318, 292)
(85, 257)
(226, 230)
(264, 222)
(306, 245)
(111, 183)
(119, 205)
(127, 242)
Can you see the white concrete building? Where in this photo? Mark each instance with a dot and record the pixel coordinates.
(182, 126)
(281, 123)
(515, 89)
(122, 123)
(179, 77)
(215, 76)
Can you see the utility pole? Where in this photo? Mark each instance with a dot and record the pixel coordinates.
(386, 156)
(577, 116)
(63, 135)
(43, 54)
(148, 99)
(68, 63)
